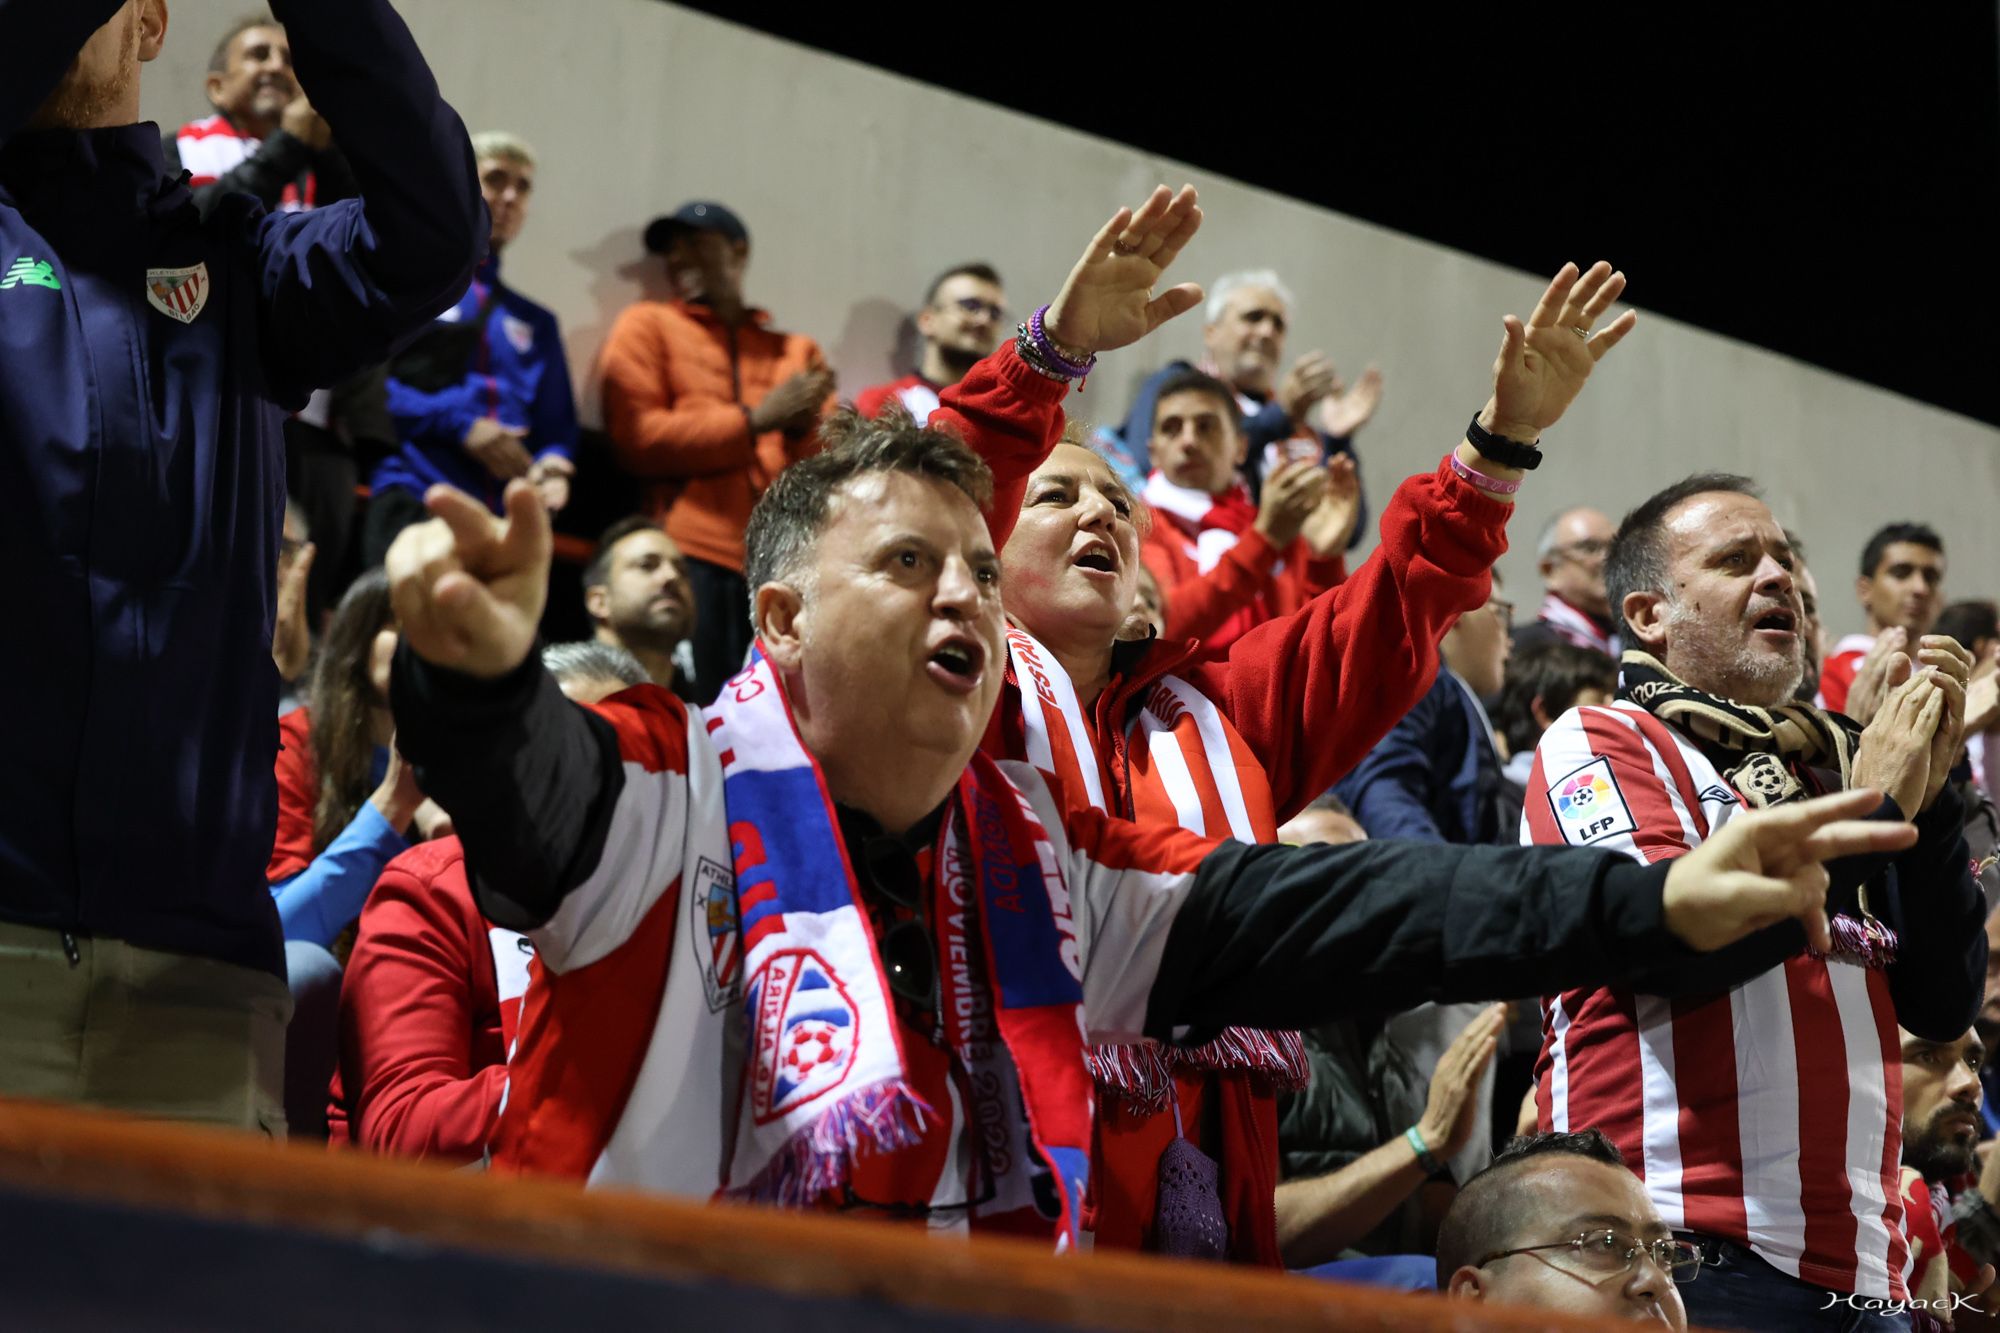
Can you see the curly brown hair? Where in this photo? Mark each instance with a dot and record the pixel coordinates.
(342, 698)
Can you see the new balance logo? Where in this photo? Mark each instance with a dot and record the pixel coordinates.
(31, 273)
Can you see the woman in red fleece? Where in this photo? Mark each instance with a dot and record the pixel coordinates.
(1228, 744)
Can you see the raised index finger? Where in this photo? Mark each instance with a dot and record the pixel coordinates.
(1553, 297)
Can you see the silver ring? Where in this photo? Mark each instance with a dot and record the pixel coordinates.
(1124, 249)
(1580, 331)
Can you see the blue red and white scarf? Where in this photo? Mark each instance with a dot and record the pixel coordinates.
(825, 1078)
(1195, 756)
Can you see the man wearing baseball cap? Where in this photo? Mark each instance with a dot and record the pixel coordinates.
(707, 402)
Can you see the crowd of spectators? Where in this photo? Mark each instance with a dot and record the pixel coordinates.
(955, 812)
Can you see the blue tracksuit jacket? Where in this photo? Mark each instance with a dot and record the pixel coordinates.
(145, 355)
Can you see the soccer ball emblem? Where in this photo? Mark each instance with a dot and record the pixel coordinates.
(811, 1044)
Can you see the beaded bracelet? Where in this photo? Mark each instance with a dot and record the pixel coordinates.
(1039, 335)
(1480, 479)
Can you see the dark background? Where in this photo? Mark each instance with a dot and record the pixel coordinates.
(1822, 183)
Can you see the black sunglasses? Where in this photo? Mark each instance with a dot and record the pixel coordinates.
(909, 954)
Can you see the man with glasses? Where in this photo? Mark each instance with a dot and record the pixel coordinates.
(964, 316)
(1558, 1222)
(1570, 556)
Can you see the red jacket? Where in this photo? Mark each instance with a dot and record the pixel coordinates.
(1244, 589)
(426, 1019)
(1309, 693)
(298, 793)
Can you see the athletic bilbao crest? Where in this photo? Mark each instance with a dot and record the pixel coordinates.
(178, 293)
(520, 333)
(807, 1029)
(718, 944)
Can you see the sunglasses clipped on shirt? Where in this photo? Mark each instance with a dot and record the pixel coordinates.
(909, 953)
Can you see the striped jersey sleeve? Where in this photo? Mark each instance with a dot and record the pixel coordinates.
(1614, 778)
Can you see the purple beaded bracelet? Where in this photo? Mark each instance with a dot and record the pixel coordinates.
(1057, 361)
(1480, 479)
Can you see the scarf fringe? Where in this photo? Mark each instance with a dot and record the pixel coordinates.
(1861, 943)
(818, 1158)
(1142, 1074)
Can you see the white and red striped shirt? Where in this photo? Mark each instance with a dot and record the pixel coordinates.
(1843, 664)
(1769, 1114)
(918, 396)
(210, 149)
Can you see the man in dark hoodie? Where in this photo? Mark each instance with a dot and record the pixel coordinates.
(148, 354)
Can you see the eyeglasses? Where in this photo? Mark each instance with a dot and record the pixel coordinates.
(909, 954)
(973, 305)
(1502, 609)
(1612, 1252)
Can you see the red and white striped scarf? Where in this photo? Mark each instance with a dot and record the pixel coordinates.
(1576, 627)
(1213, 523)
(1192, 756)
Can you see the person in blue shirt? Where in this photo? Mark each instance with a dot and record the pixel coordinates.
(508, 410)
(148, 354)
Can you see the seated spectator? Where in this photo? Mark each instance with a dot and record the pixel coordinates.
(1558, 1222)
(706, 403)
(291, 628)
(1570, 556)
(1228, 564)
(963, 319)
(1436, 778)
(346, 801)
(1941, 1124)
(1308, 414)
(1901, 588)
(1542, 683)
(431, 1000)
(636, 592)
(483, 396)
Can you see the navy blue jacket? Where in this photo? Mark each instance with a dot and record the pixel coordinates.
(142, 465)
(1434, 777)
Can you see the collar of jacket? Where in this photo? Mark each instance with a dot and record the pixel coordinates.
(704, 314)
(119, 171)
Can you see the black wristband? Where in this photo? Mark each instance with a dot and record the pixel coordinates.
(1499, 449)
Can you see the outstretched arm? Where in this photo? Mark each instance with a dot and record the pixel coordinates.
(1008, 412)
(1346, 666)
(344, 285)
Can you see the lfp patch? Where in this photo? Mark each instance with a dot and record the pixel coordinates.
(807, 1030)
(1588, 804)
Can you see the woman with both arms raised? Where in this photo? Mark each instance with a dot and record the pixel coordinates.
(1227, 744)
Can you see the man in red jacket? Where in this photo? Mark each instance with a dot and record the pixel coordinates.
(1227, 564)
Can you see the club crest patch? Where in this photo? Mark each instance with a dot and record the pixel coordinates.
(520, 333)
(1588, 804)
(718, 944)
(807, 1031)
(178, 293)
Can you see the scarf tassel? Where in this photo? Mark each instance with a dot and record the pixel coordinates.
(1863, 943)
(1143, 1074)
(884, 1119)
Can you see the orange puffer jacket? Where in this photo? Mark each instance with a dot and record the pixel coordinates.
(678, 389)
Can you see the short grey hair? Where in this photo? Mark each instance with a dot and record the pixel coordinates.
(591, 660)
(499, 143)
(1638, 560)
(1230, 283)
(786, 523)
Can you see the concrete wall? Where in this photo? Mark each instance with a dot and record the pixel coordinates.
(858, 185)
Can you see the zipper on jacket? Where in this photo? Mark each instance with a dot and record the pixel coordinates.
(70, 950)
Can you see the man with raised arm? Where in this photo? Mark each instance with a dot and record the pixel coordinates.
(794, 946)
(150, 354)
